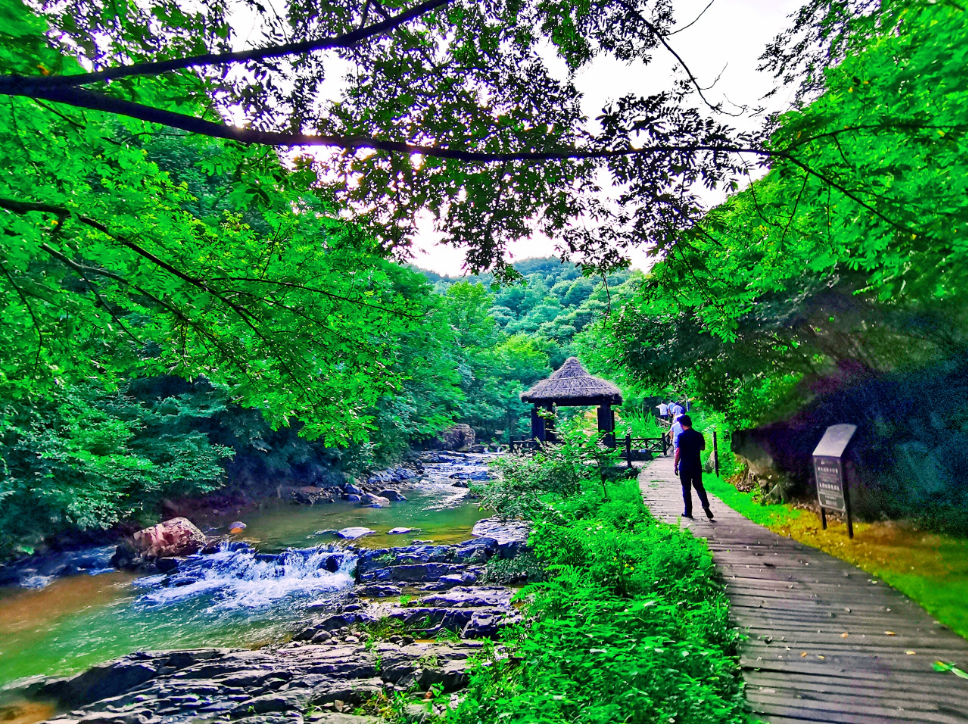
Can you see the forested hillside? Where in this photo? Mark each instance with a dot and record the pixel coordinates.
(512, 335)
(92, 454)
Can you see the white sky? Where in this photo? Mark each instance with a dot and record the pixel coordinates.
(732, 33)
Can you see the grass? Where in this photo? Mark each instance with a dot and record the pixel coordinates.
(640, 424)
(932, 569)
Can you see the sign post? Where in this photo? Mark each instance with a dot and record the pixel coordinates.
(828, 465)
(715, 453)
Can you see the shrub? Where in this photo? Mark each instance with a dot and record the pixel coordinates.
(632, 625)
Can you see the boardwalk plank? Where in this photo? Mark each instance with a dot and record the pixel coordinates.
(803, 600)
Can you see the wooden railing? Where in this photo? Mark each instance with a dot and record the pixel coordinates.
(525, 445)
(633, 448)
(633, 445)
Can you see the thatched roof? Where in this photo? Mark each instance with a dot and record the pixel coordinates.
(572, 385)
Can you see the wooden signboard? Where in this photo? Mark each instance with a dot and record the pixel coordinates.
(828, 466)
(830, 483)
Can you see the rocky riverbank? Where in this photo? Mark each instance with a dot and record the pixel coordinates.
(413, 619)
(378, 489)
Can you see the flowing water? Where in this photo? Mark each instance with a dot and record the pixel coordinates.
(238, 597)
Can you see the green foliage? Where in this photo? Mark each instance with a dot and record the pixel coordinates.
(750, 505)
(558, 469)
(86, 458)
(632, 626)
(638, 423)
(129, 252)
(550, 301)
(509, 337)
(847, 258)
(494, 367)
(383, 628)
(523, 568)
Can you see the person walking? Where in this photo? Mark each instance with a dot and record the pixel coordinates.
(688, 466)
(663, 411)
(676, 410)
(674, 435)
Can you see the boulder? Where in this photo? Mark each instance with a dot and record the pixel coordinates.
(477, 475)
(710, 464)
(351, 489)
(470, 622)
(380, 590)
(400, 531)
(419, 573)
(510, 536)
(175, 537)
(168, 565)
(116, 677)
(391, 495)
(374, 501)
(353, 498)
(451, 580)
(477, 550)
(382, 557)
(471, 597)
(125, 558)
(458, 437)
(271, 685)
(380, 478)
(354, 532)
(310, 495)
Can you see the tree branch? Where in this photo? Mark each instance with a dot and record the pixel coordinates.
(30, 311)
(27, 85)
(323, 292)
(696, 20)
(118, 106)
(665, 44)
(241, 312)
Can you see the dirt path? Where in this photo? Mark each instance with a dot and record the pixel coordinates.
(819, 648)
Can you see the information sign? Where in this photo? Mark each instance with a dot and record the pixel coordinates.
(828, 466)
(830, 483)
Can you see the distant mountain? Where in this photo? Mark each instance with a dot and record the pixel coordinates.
(553, 303)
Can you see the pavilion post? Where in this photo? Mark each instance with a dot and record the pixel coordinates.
(537, 425)
(606, 423)
(549, 423)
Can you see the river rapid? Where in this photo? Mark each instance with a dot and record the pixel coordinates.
(244, 595)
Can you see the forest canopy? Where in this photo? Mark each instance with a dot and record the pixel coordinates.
(800, 278)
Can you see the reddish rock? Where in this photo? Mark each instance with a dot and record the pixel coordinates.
(175, 537)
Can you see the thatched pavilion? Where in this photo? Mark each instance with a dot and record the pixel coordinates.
(572, 386)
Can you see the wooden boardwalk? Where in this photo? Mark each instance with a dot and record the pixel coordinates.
(819, 648)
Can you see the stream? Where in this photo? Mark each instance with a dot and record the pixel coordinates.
(236, 597)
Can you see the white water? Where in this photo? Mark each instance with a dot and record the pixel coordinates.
(244, 579)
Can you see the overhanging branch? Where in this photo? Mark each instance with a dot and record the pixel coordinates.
(22, 85)
(107, 104)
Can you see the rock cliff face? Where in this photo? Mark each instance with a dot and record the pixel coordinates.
(352, 649)
(458, 437)
(910, 454)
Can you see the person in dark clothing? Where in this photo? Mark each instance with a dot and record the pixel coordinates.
(689, 467)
